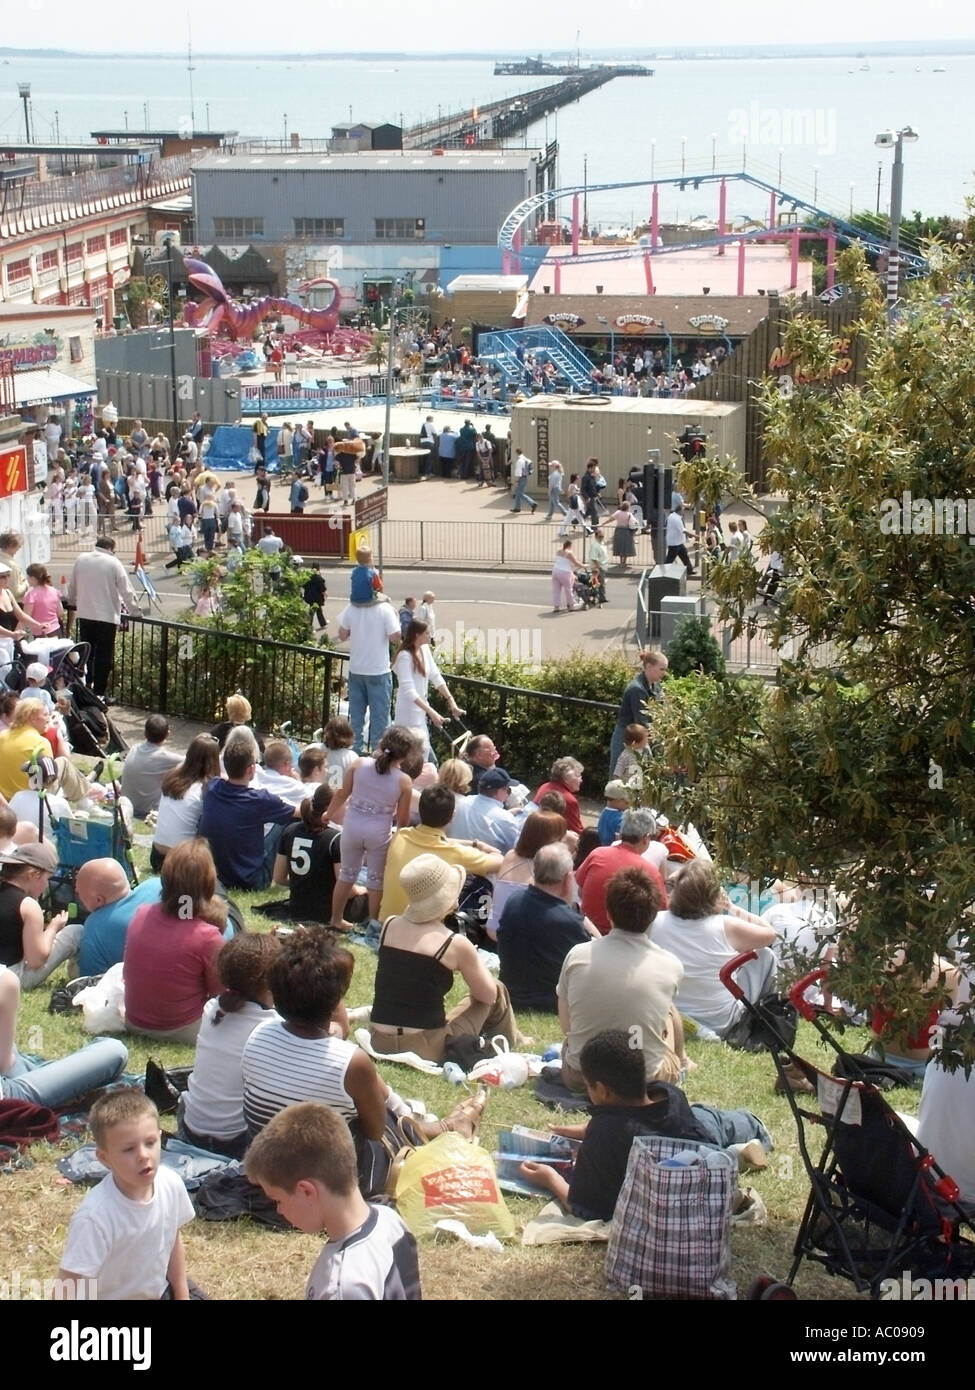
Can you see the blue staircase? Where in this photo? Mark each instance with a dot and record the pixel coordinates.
(501, 349)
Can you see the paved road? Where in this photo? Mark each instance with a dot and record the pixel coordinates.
(496, 611)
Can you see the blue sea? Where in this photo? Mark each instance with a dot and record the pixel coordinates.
(804, 124)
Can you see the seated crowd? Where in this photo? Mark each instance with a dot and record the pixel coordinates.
(456, 874)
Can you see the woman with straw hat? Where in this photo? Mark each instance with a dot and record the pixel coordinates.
(418, 958)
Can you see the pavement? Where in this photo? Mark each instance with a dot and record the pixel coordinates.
(488, 597)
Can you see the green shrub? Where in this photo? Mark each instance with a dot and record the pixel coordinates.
(693, 648)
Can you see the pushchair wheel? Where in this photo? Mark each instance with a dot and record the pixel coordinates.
(766, 1289)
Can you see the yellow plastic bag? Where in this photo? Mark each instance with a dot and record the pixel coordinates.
(451, 1178)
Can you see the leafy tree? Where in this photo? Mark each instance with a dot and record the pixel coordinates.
(261, 596)
(856, 767)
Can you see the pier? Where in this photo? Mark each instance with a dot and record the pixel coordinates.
(498, 120)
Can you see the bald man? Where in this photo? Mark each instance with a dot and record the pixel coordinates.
(106, 895)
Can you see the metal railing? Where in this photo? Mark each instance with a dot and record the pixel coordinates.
(187, 672)
(486, 542)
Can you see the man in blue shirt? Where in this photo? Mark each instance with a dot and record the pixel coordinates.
(235, 815)
(111, 903)
(483, 816)
(538, 929)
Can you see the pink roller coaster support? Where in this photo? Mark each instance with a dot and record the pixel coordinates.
(556, 276)
(575, 224)
(648, 271)
(794, 260)
(654, 217)
(722, 212)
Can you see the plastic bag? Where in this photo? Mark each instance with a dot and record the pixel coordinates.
(506, 1068)
(103, 1004)
(451, 1178)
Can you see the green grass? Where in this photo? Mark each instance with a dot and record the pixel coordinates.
(239, 1260)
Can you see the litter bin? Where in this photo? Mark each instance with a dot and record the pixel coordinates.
(663, 582)
(406, 464)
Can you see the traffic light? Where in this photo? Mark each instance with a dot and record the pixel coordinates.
(692, 443)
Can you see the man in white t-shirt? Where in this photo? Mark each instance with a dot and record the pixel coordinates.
(676, 538)
(369, 629)
(521, 473)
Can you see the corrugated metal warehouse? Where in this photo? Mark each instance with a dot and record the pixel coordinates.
(618, 430)
(371, 196)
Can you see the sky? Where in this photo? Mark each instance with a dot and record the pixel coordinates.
(241, 26)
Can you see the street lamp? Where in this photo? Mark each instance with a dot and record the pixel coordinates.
(601, 318)
(399, 291)
(714, 150)
(894, 139)
(167, 241)
(23, 91)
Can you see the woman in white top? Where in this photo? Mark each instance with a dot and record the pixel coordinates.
(704, 932)
(181, 802)
(563, 571)
(517, 866)
(211, 1112)
(416, 670)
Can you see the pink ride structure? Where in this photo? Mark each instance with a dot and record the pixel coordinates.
(217, 313)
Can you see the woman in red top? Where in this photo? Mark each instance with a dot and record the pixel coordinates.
(171, 948)
(566, 778)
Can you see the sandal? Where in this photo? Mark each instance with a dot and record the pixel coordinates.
(465, 1118)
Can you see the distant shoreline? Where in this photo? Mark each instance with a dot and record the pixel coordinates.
(864, 50)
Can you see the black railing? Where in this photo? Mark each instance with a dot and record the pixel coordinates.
(187, 672)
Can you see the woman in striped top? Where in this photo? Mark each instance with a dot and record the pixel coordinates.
(305, 1055)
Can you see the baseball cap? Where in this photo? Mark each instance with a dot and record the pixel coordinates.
(491, 780)
(41, 855)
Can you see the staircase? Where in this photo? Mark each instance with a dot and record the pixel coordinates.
(501, 349)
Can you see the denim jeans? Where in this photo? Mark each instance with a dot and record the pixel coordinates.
(208, 525)
(521, 494)
(56, 1084)
(374, 693)
(555, 500)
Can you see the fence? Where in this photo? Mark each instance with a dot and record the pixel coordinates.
(484, 542)
(147, 396)
(187, 672)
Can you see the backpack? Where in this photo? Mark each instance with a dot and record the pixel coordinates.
(302, 495)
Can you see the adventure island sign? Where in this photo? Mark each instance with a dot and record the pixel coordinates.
(792, 372)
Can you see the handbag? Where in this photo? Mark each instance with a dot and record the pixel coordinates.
(671, 1230)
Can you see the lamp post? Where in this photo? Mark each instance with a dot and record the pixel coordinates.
(601, 318)
(399, 291)
(23, 91)
(886, 140)
(168, 243)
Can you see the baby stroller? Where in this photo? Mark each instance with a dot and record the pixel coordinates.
(587, 587)
(91, 730)
(878, 1202)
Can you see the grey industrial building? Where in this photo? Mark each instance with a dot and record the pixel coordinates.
(369, 197)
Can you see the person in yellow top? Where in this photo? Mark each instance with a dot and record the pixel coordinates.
(261, 431)
(22, 741)
(436, 812)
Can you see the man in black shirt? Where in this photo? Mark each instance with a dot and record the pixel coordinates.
(537, 930)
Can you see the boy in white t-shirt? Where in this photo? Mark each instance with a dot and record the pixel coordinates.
(304, 1159)
(126, 1234)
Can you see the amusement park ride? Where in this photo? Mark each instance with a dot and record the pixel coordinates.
(822, 226)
